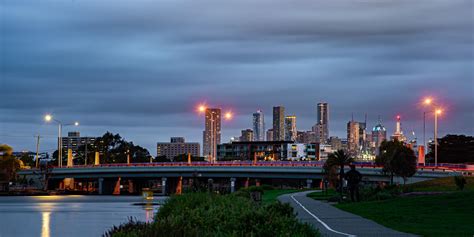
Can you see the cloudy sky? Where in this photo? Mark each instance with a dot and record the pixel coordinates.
(139, 67)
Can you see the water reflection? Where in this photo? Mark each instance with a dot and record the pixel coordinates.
(45, 232)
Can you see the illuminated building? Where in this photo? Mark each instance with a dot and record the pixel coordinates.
(278, 123)
(267, 150)
(270, 134)
(323, 122)
(306, 137)
(177, 146)
(258, 126)
(74, 141)
(379, 134)
(336, 143)
(398, 134)
(290, 128)
(247, 135)
(353, 137)
(212, 132)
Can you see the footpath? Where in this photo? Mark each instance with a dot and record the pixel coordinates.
(332, 221)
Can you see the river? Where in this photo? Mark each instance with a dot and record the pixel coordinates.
(71, 216)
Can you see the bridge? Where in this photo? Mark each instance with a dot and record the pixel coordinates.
(172, 176)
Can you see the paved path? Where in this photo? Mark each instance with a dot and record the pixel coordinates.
(332, 221)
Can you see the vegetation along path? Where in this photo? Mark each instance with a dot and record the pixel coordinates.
(332, 221)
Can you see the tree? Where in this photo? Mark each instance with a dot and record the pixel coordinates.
(453, 149)
(339, 159)
(27, 159)
(162, 159)
(397, 159)
(9, 165)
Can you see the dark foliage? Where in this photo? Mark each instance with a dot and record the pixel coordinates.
(453, 149)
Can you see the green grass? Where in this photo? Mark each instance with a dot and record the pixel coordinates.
(440, 184)
(437, 215)
(322, 196)
(270, 196)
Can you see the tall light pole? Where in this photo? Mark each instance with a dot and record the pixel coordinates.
(49, 118)
(437, 111)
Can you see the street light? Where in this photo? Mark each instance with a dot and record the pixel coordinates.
(48, 118)
(437, 111)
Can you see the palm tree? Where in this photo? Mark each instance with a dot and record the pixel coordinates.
(341, 159)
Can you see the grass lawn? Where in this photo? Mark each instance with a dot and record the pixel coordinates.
(270, 196)
(448, 214)
(322, 196)
(441, 184)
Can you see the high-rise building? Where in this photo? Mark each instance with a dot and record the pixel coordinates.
(290, 128)
(379, 134)
(247, 135)
(398, 134)
(278, 123)
(177, 146)
(270, 134)
(258, 126)
(74, 140)
(306, 137)
(336, 143)
(353, 137)
(212, 133)
(322, 128)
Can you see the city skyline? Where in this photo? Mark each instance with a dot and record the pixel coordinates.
(146, 87)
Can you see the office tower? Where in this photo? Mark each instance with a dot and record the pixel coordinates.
(336, 143)
(353, 137)
(212, 133)
(398, 134)
(247, 135)
(278, 123)
(323, 122)
(270, 134)
(379, 134)
(74, 141)
(290, 128)
(363, 136)
(177, 146)
(258, 126)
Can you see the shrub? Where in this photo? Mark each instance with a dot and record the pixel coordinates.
(204, 214)
(460, 182)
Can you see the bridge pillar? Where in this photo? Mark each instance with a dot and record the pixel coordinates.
(130, 186)
(309, 183)
(163, 186)
(101, 186)
(117, 187)
(97, 160)
(210, 185)
(70, 163)
(257, 182)
(232, 185)
(179, 186)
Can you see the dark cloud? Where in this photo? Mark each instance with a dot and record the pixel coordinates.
(139, 67)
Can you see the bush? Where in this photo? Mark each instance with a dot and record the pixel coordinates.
(204, 214)
(460, 182)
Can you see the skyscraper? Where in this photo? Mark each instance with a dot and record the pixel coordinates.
(290, 128)
(398, 134)
(247, 135)
(323, 122)
(278, 123)
(270, 134)
(258, 126)
(379, 134)
(353, 137)
(212, 133)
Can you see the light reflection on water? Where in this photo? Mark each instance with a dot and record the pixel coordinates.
(51, 216)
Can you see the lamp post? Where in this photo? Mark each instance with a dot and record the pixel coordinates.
(49, 118)
(437, 111)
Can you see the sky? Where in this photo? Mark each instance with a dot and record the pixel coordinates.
(140, 67)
